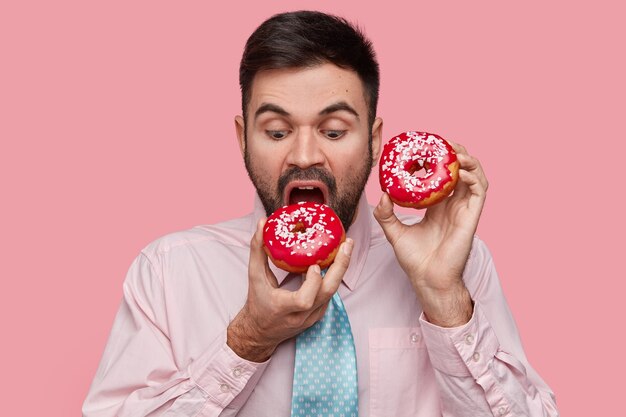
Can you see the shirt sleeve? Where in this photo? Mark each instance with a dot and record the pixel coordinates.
(138, 374)
(481, 368)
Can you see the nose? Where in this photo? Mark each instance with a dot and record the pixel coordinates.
(305, 150)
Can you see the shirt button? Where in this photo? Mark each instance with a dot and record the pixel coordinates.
(414, 337)
(237, 372)
(224, 388)
(469, 339)
(502, 411)
(476, 356)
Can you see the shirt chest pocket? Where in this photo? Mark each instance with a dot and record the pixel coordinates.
(402, 380)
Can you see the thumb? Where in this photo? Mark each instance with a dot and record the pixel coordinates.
(258, 266)
(384, 215)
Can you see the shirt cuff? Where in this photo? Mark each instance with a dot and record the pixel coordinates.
(461, 351)
(224, 375)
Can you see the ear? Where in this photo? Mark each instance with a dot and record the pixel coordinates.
(377, 139)
(240, 129)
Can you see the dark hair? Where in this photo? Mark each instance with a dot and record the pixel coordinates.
(305, 39)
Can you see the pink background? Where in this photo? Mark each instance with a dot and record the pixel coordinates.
(116, 127)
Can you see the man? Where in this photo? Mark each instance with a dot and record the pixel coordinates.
(208, 327)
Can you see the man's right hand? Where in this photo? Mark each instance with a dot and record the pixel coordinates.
(271, 314)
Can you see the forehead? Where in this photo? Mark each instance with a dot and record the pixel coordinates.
(307, 90)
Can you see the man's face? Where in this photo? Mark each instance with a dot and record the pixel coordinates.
(306, 138)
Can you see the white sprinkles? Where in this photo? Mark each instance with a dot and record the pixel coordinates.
(303, 228)
(423, 148)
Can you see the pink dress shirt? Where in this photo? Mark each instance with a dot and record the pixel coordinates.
(167, 352)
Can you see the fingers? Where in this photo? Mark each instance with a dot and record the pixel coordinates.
(281, 313)
(315, 316)
(315, 291)
(392, 227)
(472, 182)
(328, 285)
(304, 298)
(471, 175)
(258, 266)
(337, 270)
(471, 164)
(469, 179)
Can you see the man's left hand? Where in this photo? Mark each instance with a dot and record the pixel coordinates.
(433, 252)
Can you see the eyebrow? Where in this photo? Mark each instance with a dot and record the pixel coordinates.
(269, 107)
(339, 106)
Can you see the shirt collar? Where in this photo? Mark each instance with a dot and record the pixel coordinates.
(359, 232)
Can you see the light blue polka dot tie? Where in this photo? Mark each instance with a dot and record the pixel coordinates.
(324, 379)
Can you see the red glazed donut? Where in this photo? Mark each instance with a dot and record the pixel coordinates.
(300, 235)
(408, 153)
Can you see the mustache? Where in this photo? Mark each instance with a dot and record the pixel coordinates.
(309, 174)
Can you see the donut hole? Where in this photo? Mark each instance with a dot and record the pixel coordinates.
(299, 228)
(416, 170)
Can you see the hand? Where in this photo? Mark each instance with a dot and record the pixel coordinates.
(433, 253)
(272, 315)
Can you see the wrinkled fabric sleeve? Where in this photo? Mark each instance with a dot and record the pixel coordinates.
(481, 367)
(138, 375)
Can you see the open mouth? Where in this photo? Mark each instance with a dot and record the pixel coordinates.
(309, 191)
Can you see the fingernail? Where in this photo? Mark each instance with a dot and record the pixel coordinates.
(347, 246)
(316, 268)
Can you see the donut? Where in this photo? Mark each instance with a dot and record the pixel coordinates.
(403, 158)
(303, 234)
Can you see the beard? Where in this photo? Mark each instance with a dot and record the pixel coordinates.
(342, 198)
